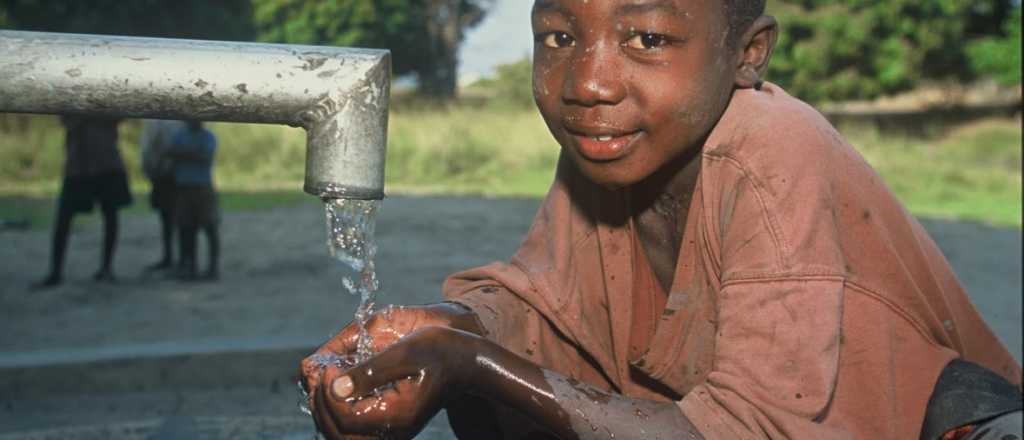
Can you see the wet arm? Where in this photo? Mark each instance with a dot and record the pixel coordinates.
(570, 409)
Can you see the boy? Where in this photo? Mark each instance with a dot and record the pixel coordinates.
(712, 261)
(196, 201)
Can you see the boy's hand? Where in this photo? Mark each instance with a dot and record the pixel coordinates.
(397, 391)
(385, 327)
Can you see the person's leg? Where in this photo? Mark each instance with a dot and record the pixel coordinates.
(186, 229)
(61, 230)
(110, 231)
(182, 249)
(167, 235)
(166, 239)
(188, 252)
(213, 243)
(163, 201)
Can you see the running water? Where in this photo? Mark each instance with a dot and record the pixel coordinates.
(350, 229)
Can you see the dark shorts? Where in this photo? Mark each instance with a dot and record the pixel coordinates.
(109, 190)
(196, 206)
(163, 196)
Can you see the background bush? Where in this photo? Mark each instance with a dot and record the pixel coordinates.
(862, 49)
(999, 57)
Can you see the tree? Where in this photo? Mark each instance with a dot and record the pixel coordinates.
(225, 20)
(423, 35)
(999, 57)
(857, 49)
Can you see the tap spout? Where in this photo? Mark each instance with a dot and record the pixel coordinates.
(338, 95)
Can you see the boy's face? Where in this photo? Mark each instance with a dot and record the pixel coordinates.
(626, 86)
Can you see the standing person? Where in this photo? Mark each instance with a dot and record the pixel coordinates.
(93, 174)
(157, 139)
(712, 261)
(196, 202)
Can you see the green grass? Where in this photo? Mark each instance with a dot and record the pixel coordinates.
(972, 172)
(470, 151)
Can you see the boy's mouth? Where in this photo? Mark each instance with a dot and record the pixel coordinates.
(603, 147)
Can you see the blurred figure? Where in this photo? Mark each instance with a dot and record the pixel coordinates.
(93, 173)
(196, 202)
(157, 139)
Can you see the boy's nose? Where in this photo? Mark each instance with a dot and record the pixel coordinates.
(593, 78)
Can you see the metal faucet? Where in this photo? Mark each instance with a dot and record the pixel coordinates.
(338, 95)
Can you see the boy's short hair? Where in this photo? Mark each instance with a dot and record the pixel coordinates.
(741, 13)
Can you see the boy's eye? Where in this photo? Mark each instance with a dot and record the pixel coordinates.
(556, 40)
(646, 41)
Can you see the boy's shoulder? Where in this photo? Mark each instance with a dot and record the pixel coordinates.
(769, 131)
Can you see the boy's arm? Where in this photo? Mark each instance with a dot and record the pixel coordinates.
(444, 363)
(491, 293)
(572, 409)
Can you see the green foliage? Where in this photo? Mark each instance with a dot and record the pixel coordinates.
(335, 23)
(1000, 57)
(512, 85)
(423, 36)
(225, 19)
(859, 49)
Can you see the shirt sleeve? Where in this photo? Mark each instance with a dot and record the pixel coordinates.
(779, 305)
(776, 362)
(510, 321)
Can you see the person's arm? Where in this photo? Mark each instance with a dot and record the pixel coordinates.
(385, 328)
(446, 363)
(568, 408)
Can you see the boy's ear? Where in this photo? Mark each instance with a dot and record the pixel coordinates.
(755, 50)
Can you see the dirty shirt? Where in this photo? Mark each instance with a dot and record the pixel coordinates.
(806, 301)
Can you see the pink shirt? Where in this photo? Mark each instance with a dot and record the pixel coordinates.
(806, 302)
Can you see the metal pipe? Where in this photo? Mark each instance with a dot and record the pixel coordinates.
(338, 95)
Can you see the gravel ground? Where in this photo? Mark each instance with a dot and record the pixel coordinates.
(279, 293)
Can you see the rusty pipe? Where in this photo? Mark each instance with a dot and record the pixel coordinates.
(338, 95)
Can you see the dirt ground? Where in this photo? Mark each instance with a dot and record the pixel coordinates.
(280, 293)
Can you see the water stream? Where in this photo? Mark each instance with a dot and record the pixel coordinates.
(350, 240)
(350, 229)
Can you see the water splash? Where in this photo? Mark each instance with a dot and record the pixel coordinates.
(350, 239)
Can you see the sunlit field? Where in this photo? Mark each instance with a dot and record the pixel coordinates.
(970, 172)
